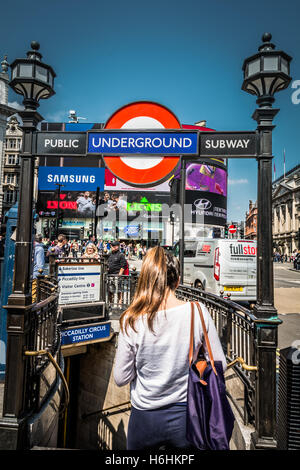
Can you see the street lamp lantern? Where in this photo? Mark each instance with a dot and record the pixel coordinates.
(32, 78)
(266, 72)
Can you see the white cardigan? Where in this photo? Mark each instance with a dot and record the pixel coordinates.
(156, 365)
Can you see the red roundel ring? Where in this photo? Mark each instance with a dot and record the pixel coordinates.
(136, 170)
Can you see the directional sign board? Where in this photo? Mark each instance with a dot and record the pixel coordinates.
(147, 143)
(228, 144)
(78, 283)
(143, 143)
(61, 143)
(89, 333)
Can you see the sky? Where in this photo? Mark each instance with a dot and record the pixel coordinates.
(187, 56)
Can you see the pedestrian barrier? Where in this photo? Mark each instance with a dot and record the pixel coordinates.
(119, 291)
(235, 327)
(43, 335)
(38, 360)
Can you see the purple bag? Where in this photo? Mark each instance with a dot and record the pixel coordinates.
(210, 419)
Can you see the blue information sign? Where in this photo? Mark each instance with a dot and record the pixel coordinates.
(85, 333)
(71, 178)
(143, 143)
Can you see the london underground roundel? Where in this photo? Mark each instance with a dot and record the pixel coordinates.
(138, 170)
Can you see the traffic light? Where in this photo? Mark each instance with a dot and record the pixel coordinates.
(242, 233)
(140, 229)
(226, 231)
(46, 227)
(60, 219)
(81, 233)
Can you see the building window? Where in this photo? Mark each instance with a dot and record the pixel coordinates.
(9, 178)
(12, 143)
(12, 159)
(9, 197)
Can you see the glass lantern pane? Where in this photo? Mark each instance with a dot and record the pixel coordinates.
(51, 80)
(28, 89)
(25, 70)
(41, 74)
(251, 89)
(44, 94)
(37, 89)
(284, 66)
(254, 67)
(271, 63)
(279, 84)
(258, 85)
(14, 72)
(268, 83)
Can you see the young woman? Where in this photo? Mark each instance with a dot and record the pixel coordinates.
(153, 352)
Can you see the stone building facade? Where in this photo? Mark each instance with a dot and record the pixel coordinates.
(11, 164)
(251, 222)
(5, 112)
(286, 212)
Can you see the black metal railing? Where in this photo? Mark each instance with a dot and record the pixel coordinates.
(119, 291)
(235, 325)
(36, 359)
(43, 342)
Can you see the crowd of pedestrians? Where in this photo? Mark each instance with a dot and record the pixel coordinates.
(293, 258)
(89, 248)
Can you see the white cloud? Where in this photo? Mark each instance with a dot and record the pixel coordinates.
(16, 105)
(58, 116)
(238, 181)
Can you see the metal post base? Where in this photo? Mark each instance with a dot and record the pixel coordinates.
(258, 443)
(13, 435)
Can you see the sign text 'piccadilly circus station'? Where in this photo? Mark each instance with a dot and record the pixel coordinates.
(143, 142)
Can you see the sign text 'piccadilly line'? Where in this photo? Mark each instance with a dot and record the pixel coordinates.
(159, 143)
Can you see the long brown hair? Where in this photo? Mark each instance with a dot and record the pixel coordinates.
(159, 273)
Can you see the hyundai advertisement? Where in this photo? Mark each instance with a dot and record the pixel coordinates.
(206, 191)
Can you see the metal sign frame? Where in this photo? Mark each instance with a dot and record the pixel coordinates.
(216, 135)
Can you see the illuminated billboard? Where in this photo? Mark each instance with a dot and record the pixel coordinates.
(206, 191)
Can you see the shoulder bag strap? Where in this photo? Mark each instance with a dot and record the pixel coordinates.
(191, 351)
(206, 338)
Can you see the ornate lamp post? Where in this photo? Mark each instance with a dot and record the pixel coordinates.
(34, 80)
(265, 73)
